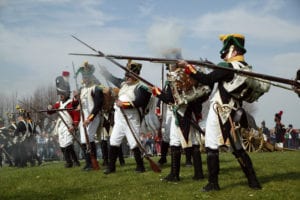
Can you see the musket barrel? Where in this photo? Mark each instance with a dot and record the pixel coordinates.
(211, 66)
(206, 64)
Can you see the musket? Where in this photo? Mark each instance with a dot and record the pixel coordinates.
(153, 165)
(55, 110)
(65, 123)
(94, 161)
(101, 54)
(9, 157)
(41, 111)
(35, 110)
(206, 64)
(75, 77)
(161, 119)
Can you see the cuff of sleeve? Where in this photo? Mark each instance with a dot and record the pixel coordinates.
(156, 91)
(91, 117)
(126, 104)
(190, 69)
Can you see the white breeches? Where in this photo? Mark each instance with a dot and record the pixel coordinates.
(212, 129)
(177, 139)
(91, 130)
(167, 125)
(121, 128)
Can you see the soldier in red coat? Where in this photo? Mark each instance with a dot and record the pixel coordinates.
(68, 120)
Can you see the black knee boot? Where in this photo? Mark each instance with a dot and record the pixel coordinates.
(197, 162)
(121, 157)
(87, 158)
(112, 157)
(140, 168)
(213, 170)
(188, 156)
(67, 156)
(175, 165)
(74, 156)
(164, 152)
(247, 167)
(104, 149)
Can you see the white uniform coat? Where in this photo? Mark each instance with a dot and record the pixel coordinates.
(65, 138)
(87, 103)
(121, 129)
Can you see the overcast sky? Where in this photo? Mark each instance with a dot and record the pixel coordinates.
(35, 39)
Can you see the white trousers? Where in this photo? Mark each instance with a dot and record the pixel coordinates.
(212, 129)
(91, 130)
(176, 136)
(121, 128)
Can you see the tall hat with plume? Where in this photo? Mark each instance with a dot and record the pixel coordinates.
(278, 115)
(62, 84)
(237, 40)
(87, 72)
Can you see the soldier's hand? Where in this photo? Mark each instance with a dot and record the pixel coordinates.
(181, 63)
(156, 91)
(86, 122)
(71, 129)
(49, 107)
(119, 103)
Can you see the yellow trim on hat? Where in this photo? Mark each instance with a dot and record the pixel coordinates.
(223, 37)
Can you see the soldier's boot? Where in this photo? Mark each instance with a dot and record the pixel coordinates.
(39, 159)
(87, 158)
(74, 157)
(197, 162)
(247, 167)
(140, 168)
(164, 152)
(213, 167)
(188, 156)
(112, 158)
(121, 157)
(104, 149)
(175, 165)
(68, 159)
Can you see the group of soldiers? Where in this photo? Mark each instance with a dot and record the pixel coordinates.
(18, 141)
(120, 111)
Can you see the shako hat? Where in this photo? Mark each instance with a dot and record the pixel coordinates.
(134, 67)
(62, 86)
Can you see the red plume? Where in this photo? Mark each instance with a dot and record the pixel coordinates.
(280, 113)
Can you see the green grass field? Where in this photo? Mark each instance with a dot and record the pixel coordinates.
(278, 172)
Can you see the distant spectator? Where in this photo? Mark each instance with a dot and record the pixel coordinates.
(288, 137)
(293, 136)
(279, 130)
(265, 131)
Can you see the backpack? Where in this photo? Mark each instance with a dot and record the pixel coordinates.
(110, 94)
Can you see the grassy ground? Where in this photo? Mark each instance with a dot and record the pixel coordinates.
(278, 172)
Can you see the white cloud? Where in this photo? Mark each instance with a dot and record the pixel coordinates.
(286, 64)
(261, 26)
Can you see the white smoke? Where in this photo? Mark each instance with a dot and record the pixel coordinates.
(164, 35)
